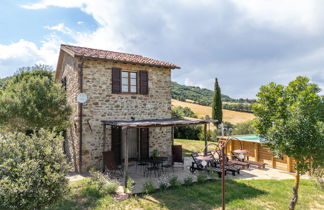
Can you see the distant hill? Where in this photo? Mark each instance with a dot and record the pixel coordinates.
(199, 95)
(228, 115)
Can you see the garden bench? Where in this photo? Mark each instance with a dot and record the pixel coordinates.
(258, 164)
(239, 163)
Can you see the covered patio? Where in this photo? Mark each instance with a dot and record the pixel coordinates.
(149, 123)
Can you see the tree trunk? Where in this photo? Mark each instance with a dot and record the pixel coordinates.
(294, 199)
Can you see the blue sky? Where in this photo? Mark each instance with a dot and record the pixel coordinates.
(245, 44)
(20, 23)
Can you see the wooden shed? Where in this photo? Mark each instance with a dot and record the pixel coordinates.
(259, 152)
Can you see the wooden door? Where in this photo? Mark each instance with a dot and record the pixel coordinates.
(116, 143)
(144, 143)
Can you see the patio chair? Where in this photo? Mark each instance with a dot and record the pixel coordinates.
(110, 164)
(177, 155)
(167, 164)
(216, 163)
(142, 163)
(154, 167)
(197, 165)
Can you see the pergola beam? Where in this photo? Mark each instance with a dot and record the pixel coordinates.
(124, 139)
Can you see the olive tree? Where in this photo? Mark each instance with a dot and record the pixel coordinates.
(289, 119)
(31, 100)
(32, 170)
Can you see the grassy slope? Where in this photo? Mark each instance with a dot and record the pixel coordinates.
(240, 194)
(228, 116)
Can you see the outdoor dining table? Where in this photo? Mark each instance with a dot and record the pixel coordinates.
(205, 158)
(156, 164)
(242, 151)
(157, 161)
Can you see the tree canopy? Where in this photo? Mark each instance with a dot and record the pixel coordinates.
(31, 100)
(289, 118)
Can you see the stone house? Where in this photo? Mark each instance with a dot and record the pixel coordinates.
(118, 86)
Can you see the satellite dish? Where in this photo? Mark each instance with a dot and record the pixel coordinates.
(82, 98)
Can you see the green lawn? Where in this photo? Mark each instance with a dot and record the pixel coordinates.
(190, 146)
(241, 194)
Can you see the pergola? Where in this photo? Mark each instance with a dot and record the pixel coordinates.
(147, 124)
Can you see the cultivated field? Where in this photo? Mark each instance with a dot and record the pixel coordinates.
(228, 115)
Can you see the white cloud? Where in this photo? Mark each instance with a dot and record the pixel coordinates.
(61, 28)
(244, 43)
(58, 3)
(26, 53)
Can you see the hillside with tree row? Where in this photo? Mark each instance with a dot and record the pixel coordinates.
(203, 96)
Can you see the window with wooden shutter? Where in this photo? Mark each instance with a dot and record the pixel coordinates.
(143, 75)
(129, 82)
(64, 83)
(116, 80)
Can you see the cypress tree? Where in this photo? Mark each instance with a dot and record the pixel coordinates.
(217, 112)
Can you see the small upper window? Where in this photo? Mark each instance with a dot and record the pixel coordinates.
(129, 82)
(64, 83)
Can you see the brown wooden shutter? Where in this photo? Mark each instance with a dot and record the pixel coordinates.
(116, 143)
(144, 143)
(116, 80)
(143, 76)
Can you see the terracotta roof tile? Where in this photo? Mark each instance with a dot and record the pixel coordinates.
(116, 56)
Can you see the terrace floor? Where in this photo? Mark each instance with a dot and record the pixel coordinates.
(182, 173)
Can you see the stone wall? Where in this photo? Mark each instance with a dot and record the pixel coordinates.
(103, 105)
(70, 71)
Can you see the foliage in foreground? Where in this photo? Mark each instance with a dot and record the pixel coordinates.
(31, 100)
(289, 119)
(103, 183)
(32, 170)
(240, 194)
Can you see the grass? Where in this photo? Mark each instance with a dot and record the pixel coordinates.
(240, 194)
(190, 146)
(228, 115)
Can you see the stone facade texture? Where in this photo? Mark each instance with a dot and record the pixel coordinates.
(103, 105)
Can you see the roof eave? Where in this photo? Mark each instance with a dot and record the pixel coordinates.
(128, 62)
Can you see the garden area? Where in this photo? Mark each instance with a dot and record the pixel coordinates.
(240, 194)
(34, 115)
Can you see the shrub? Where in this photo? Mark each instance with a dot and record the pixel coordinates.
(163, 182)
(188, 181)
(174, 182)
(202, 177)
(103, 183)
(130, 185)
(187, 132)
(244, 128)
(33, 170)
(148, 187)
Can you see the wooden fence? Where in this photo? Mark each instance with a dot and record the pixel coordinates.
(260, 153)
